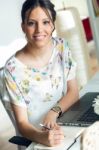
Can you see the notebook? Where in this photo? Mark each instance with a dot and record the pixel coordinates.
(81, 113)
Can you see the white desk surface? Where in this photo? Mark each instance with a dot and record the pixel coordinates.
(92, 86)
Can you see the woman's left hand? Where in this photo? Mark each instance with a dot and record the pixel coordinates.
(50, 119)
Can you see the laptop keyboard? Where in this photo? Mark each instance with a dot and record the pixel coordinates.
(89, 116)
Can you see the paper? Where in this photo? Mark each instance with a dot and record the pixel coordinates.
(63, 146)
(70, 134)
(66, 143)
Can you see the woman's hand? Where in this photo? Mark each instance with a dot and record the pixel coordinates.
(50, 119)
(52, 137)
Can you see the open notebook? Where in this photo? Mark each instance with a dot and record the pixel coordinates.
(69, 139)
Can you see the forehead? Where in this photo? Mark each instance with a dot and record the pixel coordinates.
(38, 13)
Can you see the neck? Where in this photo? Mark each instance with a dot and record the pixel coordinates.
(36, 52)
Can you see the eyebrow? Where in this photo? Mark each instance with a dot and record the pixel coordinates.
(36, 20)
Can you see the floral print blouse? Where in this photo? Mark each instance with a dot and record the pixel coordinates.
(39, 89)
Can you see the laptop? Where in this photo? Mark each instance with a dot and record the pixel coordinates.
(81, 113)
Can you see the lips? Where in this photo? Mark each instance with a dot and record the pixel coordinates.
(38, 37)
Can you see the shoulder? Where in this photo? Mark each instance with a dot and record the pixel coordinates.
(61, 43)
(60, 40)
(10, 63)
(62, 46)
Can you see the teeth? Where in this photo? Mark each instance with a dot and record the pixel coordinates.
(40, 37)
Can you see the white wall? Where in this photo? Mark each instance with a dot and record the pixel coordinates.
(10, 21)
(81, 5)
(11, 35)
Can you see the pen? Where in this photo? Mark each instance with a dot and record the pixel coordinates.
(77, 136)
(42, 125)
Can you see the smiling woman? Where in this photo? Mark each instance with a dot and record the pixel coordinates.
(40, 78)
(38, 28)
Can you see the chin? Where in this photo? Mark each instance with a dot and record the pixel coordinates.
(41, 44)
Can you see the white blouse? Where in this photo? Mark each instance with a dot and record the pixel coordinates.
(39, 90)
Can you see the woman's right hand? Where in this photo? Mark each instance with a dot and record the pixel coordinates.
(51, 137)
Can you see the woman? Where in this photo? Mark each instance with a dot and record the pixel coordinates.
(40, 78)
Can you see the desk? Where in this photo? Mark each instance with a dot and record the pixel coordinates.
(92, 86)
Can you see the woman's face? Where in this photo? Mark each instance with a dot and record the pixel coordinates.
(38, 27)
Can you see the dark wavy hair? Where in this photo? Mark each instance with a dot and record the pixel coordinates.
(29, 5)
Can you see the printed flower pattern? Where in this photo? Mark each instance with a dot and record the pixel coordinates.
(40, 89)
(55, 81)
(25, 86)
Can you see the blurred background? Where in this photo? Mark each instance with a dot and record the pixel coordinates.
(77, 21)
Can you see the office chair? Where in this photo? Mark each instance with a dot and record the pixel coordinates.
(22, 142)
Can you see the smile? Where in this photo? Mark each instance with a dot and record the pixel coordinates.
(39, 37)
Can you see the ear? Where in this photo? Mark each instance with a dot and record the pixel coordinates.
(23, 27)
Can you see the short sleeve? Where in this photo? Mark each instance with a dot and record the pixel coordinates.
(12, 93)
(69, 63)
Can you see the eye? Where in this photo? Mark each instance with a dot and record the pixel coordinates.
(46, 22)
(31, 23)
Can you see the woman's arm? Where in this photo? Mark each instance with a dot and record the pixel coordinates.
(71, 96)
(48, 137)
(65, 102)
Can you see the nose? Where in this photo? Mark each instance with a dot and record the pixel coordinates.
(39, 27)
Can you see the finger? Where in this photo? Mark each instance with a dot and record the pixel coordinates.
(59, 137)
(50, 125)
(59, 133)
(46, 126)
(58, 141)
(55, 138)
(58, 127)
(53, 125)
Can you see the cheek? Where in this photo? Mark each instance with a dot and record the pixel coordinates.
(50, 29)
(29, 31)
